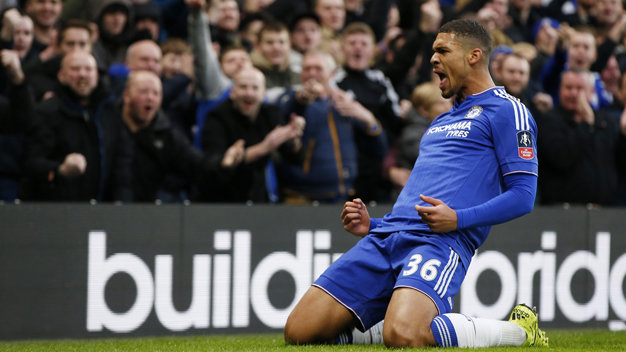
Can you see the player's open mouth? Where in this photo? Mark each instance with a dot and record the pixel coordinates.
(442, 78)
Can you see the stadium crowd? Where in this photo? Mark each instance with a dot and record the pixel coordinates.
(291, 101)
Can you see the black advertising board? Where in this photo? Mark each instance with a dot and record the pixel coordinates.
(69, 270)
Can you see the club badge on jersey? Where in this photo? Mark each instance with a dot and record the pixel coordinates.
(473, 112)
(525, 145)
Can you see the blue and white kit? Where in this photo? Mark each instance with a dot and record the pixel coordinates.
(480, 159)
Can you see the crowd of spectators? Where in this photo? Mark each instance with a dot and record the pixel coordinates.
(290, 101)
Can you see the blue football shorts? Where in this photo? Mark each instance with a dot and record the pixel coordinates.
(364, 278)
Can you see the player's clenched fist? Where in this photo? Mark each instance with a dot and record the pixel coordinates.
(355, 217)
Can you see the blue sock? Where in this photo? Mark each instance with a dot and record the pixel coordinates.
(345, 338)
(444, 332)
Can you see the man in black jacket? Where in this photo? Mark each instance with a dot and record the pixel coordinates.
(163, 158)
(240, 135)
(73, 153)
(374, 91)
(16, 109)
(578, 147)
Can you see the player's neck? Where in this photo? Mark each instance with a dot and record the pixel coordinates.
(475, 87)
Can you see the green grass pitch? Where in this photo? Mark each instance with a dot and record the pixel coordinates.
(560, 340)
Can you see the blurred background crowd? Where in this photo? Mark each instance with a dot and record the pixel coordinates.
(289, 101)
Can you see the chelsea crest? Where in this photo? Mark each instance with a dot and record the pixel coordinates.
(473, 112)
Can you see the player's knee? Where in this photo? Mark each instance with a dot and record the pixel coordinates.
(402, 335)
(297, 333)
(293, 335)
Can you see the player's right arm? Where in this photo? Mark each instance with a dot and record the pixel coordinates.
(355, 217)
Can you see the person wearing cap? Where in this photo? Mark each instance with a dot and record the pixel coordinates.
(495, 61)
(114, 19)
(148, 19)
(306, 34)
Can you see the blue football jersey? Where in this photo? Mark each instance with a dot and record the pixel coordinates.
(464, 155)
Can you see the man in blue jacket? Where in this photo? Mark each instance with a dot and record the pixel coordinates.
(328, 168)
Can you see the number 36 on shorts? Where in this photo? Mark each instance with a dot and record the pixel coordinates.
(428, 271)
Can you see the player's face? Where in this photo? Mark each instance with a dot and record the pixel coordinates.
(143, 97)
(248, 91)
(515, 74)
(358, 50)
(275, 46)
(449, 64)
(78, 71)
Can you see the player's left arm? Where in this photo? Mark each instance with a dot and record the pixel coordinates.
(517, 199)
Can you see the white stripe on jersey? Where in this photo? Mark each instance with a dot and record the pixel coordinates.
(521, 112)
(446, 275)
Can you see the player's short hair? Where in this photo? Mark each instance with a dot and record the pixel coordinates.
(472, 30)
